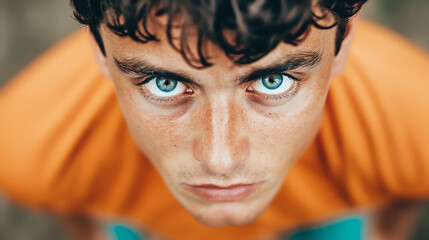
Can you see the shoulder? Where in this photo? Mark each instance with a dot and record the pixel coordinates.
(372, 145)
(60, 123)
(375, 129)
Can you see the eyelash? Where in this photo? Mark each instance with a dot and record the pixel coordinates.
(167, 100)
(159, 100)
(288, 94)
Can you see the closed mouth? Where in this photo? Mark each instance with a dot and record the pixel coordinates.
(216, 193)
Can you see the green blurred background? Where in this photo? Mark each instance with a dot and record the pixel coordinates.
(27, 28)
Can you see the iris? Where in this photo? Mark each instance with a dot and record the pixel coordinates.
(166, 85)
(272, 82)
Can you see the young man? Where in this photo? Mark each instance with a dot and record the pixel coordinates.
(216, 103)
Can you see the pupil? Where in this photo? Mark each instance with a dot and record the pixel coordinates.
(272, 82)
(166, 85)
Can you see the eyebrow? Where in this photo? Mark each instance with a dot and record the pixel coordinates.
(308, 60)
(141, 67)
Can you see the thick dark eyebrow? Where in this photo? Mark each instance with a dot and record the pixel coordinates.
(140, 67)
(308, 60)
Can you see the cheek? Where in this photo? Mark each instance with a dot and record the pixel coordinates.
(159, 136)
(286, 132)
(163, 141)
(284, 135)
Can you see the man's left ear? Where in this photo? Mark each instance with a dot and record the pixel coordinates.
(100, 58)
(341, 58)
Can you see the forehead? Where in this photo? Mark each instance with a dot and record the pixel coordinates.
(161, 53)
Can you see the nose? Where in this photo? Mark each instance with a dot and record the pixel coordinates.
(221, 145)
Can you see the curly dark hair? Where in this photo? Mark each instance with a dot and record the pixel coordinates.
(258, 26)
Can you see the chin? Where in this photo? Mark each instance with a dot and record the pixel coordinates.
(227, 214)
(220, 220)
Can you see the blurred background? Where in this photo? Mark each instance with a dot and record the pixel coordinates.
(27, 28)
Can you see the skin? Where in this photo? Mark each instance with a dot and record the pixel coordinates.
(220, 132)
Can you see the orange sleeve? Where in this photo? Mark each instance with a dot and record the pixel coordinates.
(36, 108)
(60, 126)
(376, 129)
(65, 146)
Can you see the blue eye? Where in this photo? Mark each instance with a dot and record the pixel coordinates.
(163, 87)
(274, 84)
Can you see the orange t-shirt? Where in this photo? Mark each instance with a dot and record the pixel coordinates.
(65, 147)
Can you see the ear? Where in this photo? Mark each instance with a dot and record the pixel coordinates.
(100, 58)
(341, 58)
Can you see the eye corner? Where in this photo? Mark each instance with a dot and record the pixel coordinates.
(188, 90)
(249, 88)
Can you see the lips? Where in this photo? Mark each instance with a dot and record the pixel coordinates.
(216, 193)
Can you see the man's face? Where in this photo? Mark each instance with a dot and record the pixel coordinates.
(223, 137)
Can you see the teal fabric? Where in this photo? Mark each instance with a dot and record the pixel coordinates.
(123, 232)
(350, 228)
